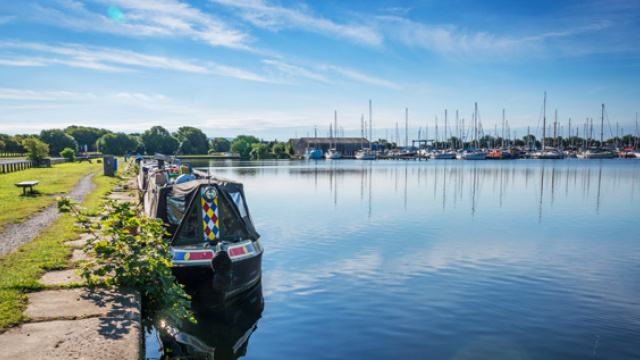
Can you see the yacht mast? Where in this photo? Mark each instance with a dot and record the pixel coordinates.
(544, 120)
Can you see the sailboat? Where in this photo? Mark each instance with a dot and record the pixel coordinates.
(473, 153)
(314, 153)
(364, 153)
(597, 153)
(333, 152)
(546, 153)
(441, 154)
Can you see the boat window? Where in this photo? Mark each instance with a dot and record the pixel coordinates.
(237, 198)
(176, 208)
(191, 231)
(232, 226)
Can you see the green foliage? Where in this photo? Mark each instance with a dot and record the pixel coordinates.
(195, 141)
(260, 151)
(242, 145)
(279, 151)
(220, 144)
(37, 150)
(57, 140)
(131, 252)
(159, 140)
(86, 135)
(68, 153)
(12, 144)
(117, 144)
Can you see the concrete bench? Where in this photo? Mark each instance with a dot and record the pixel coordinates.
(27, 184)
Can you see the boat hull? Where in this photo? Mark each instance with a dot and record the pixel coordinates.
(596, 155)
(313, 154)
(471, 155)
(244, 273)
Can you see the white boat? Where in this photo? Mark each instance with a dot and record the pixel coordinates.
(332, 154)
(546, 153)
(471, 154)
(596, 154)
(365, 154)
(441, 155)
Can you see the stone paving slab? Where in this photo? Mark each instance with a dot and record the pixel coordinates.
(61, 277)
(82, 302)
(123, 197)
(81, 241)
(95, 338)
(80, 255)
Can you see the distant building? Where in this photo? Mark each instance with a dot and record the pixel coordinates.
(348, 146)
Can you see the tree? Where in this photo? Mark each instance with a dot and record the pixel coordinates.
(68, 153)
(242, 145)
(194, 140)
(84, 135)
(159, 140)
(37, 150)
(220, 144)
(117, 144)
(279, 150)
(58, 140)
(12, 144)
(259, 151)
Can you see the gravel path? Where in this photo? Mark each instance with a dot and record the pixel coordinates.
(18, 234)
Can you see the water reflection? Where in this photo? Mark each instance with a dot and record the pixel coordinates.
(454, 184)
(441, 259)
(222, 331)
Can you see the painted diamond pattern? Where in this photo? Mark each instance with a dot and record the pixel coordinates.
(209, 217)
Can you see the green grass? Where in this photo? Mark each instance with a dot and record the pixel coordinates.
(16, 207)
(21, 269)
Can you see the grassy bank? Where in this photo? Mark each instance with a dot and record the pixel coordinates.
(62, 178)
(21, 269)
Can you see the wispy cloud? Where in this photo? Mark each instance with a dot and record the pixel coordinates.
(18, 94)
(360, 77)
(113, 59)
(293, 71)
(275, 18)
(140, 18)
(6, 19)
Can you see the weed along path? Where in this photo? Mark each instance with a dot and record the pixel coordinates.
(65, 321)
(18, 234)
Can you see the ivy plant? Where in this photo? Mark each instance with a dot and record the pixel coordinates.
(131, 251)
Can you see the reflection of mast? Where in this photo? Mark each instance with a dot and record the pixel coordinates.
(473, 197)
(599, 182)
(406, 176)
(541, 192)
(370, 172)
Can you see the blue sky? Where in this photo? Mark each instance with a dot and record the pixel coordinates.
(277, 69)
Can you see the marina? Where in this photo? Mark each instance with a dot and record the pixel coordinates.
(441, 259)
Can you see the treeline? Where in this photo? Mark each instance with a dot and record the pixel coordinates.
(186, 141)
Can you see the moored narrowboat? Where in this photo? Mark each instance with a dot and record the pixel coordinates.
(211, 233)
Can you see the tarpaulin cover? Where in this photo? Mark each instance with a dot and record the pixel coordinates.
(176, 201)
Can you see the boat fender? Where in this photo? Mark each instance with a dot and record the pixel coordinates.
(221, 266)
(221, 263)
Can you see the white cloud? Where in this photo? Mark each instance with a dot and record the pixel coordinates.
(292, 71)
(18, 94)
(156, 18)
(275, 18)
(360, 77)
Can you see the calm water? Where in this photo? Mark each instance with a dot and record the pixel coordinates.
(442, 259)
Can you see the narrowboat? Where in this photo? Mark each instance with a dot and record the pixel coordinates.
(212, 237)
